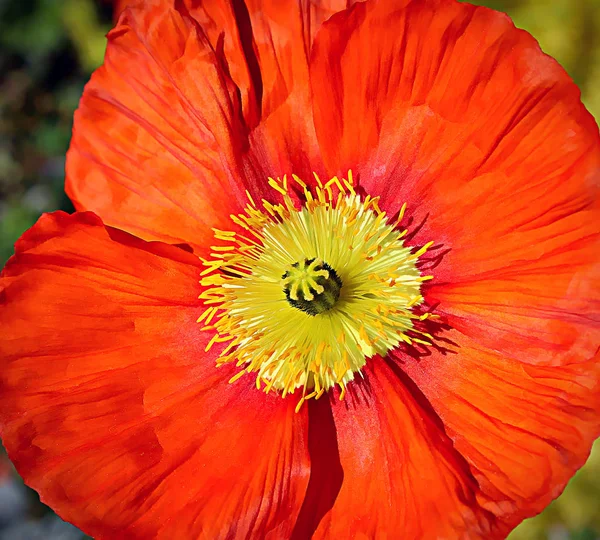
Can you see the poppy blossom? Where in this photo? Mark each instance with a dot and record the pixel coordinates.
(334, 273)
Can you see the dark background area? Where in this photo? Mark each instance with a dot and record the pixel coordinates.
(49, 48)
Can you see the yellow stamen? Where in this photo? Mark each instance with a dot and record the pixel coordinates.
(308, 295)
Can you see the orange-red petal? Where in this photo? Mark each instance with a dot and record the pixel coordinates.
(112, 410)
(450, 108)
(402, 477)
(195, 103)
(524, 429)
(267, 44)
(158, 134)
(283, 32)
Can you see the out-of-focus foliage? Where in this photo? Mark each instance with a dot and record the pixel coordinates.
(48, 49)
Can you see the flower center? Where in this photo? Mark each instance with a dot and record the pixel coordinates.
(311, 286)
(304, 296)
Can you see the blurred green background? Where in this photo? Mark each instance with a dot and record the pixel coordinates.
(48, 49)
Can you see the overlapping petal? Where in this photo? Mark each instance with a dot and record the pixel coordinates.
(402, 475)
(196, 102)
(461, 116)
(524, 429)
(267, 44)
(113, 411)
(157, 137)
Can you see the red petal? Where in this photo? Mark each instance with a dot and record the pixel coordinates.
(543, 307)
(227, 24)
(283, 32)
(267, 44)
(448, 107)
(523, 429)
(163, 146)
(112, 410)
(157, 137)
(400, 470)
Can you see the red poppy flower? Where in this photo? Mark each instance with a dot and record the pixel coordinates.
(408, 349)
